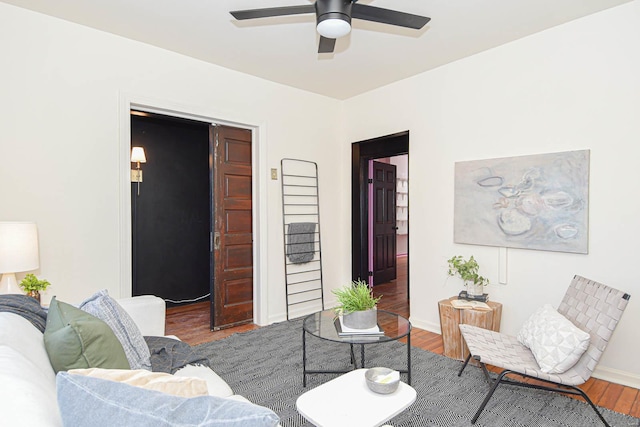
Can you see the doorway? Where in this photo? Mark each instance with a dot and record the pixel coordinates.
(383, 159)
(170, 209)
(190, 216)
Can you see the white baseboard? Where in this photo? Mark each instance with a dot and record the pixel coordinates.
(617, 376)
(277, 318)
(293, 314)
(426, 325)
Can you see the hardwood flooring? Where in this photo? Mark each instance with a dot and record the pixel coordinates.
(191, 324)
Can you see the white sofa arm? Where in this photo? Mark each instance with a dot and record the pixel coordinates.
(148, 312)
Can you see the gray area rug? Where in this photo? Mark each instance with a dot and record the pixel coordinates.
(265, 366)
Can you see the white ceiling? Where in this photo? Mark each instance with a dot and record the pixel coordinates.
(284, 49)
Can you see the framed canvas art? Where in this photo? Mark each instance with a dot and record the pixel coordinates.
(530, 202)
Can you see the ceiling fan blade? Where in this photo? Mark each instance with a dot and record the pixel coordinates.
(387, 16)
(326, 45)
(273, 11)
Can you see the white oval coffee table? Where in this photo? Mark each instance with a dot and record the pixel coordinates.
(347, 401)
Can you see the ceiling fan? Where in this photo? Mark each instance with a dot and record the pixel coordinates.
(333, 18)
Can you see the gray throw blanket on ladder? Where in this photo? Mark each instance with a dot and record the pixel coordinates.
(301, 242)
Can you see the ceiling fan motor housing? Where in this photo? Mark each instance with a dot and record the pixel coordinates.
(334, 9)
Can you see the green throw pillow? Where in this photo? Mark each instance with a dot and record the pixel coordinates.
(75, 339)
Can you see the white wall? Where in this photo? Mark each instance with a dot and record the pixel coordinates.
(575, 86)
(63, 106)
(572, 87)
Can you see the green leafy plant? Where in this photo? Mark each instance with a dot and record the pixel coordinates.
(31, 283)
(467, 270)
(356, 297)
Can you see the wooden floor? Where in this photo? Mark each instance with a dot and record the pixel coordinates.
(191, 324)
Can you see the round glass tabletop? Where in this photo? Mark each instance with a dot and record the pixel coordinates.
(323, 325)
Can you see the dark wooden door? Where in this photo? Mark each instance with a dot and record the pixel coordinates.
(232, 238)
(384, 222)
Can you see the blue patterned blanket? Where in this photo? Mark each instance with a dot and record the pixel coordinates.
(26, 307)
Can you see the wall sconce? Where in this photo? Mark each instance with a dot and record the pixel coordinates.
(18, 252)
(137, 157)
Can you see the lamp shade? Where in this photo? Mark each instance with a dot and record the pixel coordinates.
(18, 247)
(137, 155)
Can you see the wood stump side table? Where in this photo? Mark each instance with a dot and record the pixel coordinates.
(450, 318)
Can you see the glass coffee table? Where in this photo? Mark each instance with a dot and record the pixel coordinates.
(321, 325)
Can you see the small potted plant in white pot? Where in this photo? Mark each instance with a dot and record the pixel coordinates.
(32, 286)
(467, 270)
(357, 305)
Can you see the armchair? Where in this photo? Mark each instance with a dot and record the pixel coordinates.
(591, 306)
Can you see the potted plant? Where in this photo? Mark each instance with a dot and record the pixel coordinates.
(357, 305)
(467, 270)
(32, 286)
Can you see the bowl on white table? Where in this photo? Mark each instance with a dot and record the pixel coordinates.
(382, 380)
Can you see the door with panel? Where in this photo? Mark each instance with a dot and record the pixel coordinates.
(384, 222)
(232, 287)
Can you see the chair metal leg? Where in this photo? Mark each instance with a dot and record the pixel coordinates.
(566, 389)
(562, 388)
(486, 373)
(488, 396)
(464, 365)
(595, 408)
(482, 365)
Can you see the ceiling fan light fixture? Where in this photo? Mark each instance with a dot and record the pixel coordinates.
(333, 28)
(333, 18)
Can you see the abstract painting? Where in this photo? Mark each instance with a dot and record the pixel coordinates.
(529, 202)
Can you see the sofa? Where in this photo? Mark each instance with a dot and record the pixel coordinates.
(30, 389)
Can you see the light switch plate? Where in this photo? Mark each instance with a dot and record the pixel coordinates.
(274, 174)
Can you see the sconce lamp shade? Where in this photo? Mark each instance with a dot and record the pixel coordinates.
(137, 155)
(18, 252)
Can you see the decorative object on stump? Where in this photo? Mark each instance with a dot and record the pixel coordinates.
(32, 286)
(357, 305)
(467, 270)
(463, 295)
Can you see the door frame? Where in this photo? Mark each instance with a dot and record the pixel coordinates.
(361, 152)
(259, 186)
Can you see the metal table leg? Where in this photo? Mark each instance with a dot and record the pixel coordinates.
(353, 356)
(409, 358)
(304, 358)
